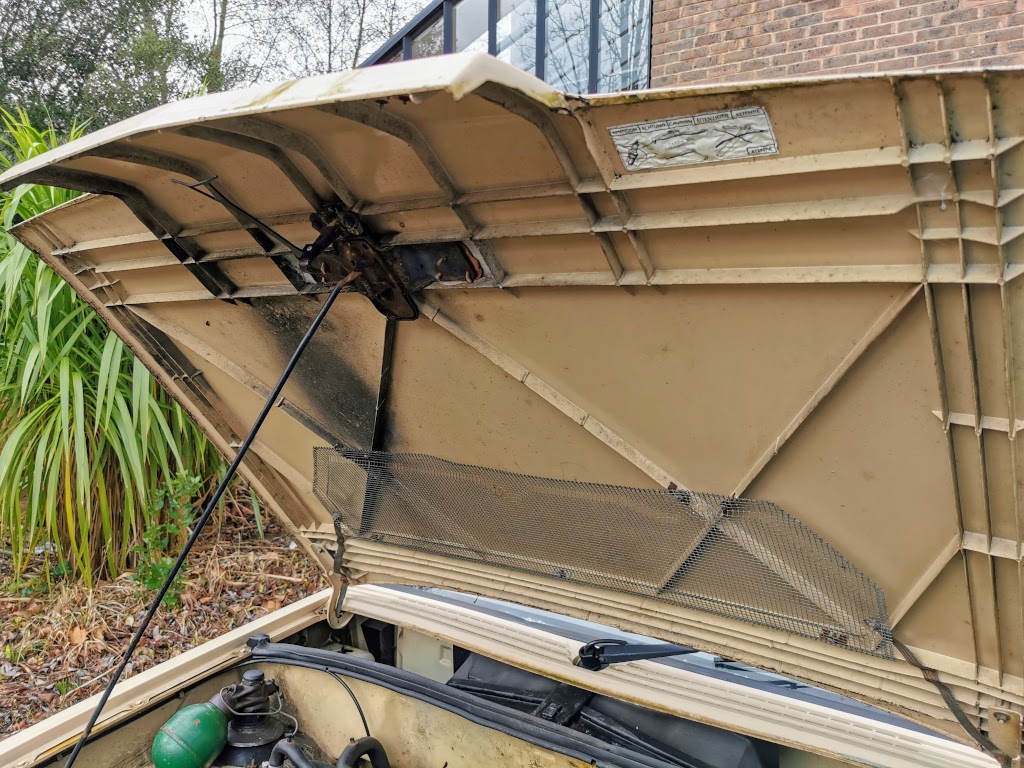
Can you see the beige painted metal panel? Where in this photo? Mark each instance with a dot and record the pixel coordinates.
(835, 327)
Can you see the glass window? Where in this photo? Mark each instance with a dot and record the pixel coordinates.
(623, 39)
(471, 26)
(624, 45)
(567, 54)
(517, 33)
(429, 42)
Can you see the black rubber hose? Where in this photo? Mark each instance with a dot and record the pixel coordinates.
(367, 746)
(288, 748)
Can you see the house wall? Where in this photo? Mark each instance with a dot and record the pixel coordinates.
(715, 41)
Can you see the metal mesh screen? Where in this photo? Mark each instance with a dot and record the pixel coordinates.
(741, 558)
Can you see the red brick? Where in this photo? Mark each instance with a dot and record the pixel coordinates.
(915, 24)
(840, 37)
(984, 24)
(958, 16)
(823, 29)
(757, 18)
(790, 34)
(688, 55)
(789, 12)
(723, 70)
(804, 45)
(935, 33)
(1001, 9)
(679, 45)
(897, 65)
(976, 52)
(707, 61)
(859, 69)
(778, 25)
(736, 33)
(934, 59)
(726, 47)
(876, 6)
(879, 30)
(1002, 35)
(862, 20)
(787, 58)
(807, 21)
(1000, 61)
(834, 62)
(708, 17)
(716, 40)
(917, 49)
(1005, 47)
(877, 55)
(752, 65)
(804, 68)
(858, 47)
(942, 6)
(900, 14)
(844, 11)
(737, 57)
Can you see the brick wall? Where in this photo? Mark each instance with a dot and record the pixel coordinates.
(712, 41)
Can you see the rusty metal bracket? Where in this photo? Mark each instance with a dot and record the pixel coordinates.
(343, 254)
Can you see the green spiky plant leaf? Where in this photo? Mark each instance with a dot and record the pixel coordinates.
(86, 434)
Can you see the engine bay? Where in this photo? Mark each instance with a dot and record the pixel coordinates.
(373, 694)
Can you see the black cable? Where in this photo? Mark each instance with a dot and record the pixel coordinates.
(204, 518)
(932, 676)
(355, 701)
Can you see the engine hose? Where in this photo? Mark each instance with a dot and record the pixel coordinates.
(367, 746)
(288, 748)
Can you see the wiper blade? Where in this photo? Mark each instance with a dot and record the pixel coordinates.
(599, 654)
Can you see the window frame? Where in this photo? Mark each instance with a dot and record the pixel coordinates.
(444, 10)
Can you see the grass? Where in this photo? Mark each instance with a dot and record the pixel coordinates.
(88, 436)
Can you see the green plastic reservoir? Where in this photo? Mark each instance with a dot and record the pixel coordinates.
(192, 738)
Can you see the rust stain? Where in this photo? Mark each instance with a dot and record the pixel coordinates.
(272, 94)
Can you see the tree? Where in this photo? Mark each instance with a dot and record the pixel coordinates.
(320, 36)
(55, 55)
(103, 60)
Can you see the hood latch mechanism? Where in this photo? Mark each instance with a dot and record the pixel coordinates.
(345, 254)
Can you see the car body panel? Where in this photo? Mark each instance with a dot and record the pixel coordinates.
(829, 324)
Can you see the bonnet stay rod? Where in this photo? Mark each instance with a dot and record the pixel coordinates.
(204, 518)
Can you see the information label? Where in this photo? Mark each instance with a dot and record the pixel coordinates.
(709, 137)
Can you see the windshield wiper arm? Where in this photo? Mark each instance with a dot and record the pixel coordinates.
(599, 654)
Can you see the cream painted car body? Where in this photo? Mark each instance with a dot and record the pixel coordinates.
(829, 323)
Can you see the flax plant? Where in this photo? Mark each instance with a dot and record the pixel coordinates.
(86, 434)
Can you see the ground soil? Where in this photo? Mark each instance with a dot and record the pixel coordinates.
(57, 647)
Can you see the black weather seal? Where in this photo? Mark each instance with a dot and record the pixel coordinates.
(533, 730)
